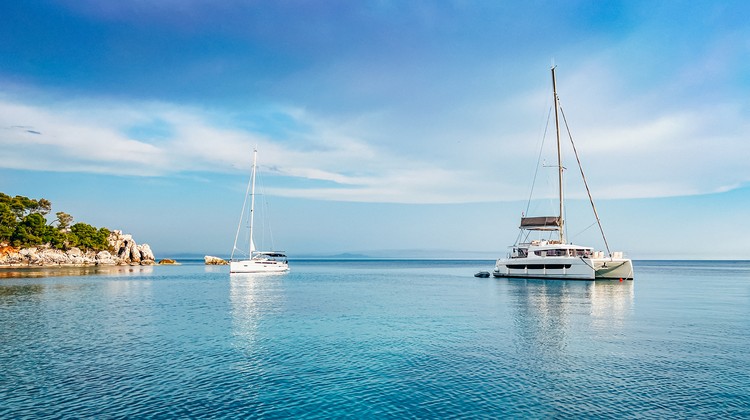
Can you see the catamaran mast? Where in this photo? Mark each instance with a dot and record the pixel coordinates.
(559, 159)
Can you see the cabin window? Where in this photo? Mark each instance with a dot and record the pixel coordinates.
(582, 253)
(519, 253)
(552, 253)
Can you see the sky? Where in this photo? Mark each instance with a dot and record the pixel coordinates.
(383, 128)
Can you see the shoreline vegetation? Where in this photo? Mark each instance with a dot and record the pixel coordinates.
(29, 239)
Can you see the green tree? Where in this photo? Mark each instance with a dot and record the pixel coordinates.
(30, 230)
(43, 206)
(63, 220)
(7, 221)
(102, 239)
(88, 237)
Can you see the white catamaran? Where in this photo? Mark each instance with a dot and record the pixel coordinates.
(555, 258)
(255, 261)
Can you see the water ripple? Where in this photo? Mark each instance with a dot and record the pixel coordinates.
(386, 341)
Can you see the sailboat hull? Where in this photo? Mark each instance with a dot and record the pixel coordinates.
(258, 266)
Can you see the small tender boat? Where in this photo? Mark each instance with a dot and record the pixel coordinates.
(483, 274)
(553, 257)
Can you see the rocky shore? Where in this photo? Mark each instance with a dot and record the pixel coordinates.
(124, 251)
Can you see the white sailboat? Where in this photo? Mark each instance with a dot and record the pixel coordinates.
(255, 261)
(555, 258)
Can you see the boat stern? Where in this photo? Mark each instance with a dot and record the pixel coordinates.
(614, 268)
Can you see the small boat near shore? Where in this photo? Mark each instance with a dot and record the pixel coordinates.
(551, 256)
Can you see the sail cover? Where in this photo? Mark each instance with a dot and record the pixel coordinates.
(540, 223)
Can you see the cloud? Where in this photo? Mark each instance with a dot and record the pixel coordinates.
(465, 143)
(70, 141)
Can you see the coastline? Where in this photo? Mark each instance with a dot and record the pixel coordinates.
(123, 251)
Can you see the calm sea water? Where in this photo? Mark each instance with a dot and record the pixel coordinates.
(383, 339)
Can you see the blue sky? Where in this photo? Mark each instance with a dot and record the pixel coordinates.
(382, 126)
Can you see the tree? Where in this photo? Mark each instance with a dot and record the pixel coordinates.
(30, 230)
(44, 206)
(7, 221)
(63, 220)
(88, 237)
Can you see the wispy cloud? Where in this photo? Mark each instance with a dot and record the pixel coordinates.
(362, 157)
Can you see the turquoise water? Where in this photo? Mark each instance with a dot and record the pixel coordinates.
(384, 339)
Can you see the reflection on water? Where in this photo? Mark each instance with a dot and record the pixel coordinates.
(103, 270)
(214, 268)
(253, 296)
(21, 289)
(550, 316)
(611, 302)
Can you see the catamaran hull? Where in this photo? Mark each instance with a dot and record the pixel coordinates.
(250, 266)
(613, 268)
(564, 268)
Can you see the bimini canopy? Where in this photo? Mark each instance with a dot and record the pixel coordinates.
(540, 223)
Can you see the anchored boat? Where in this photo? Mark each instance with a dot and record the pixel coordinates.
(553, 257)
(255, 261)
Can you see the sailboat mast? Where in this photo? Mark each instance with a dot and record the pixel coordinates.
(252, 200)
(559, 159)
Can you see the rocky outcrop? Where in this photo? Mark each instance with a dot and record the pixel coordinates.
(209, 260)
(124, 251)
(168, 261)
(128, 251)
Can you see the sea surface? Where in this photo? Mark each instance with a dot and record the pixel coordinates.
(374, 339)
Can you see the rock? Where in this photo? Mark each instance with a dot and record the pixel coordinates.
(10, 255)
(146, 253)
(128, 252)
(28, 252)
(134, 255)
(105, 258)
(118, 241)
(209, 260)
(168, 261)
(52, 257)
(74, 252)
(76, 257)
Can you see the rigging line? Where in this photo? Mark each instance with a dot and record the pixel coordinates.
(265, 219)
(585, 183)
(538, 159)
(261, 245)
(239, 225)
(584, 261)
(581, 232)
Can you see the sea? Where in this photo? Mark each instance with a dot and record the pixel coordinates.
(359, 339)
